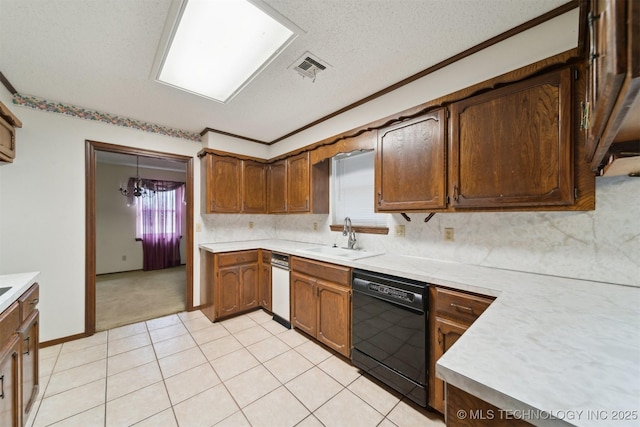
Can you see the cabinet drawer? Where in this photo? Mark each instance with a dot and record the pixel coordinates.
(233, 258)
(9, 322)
(460, 306)
(322, 270)
(28, 301)
(266, 257)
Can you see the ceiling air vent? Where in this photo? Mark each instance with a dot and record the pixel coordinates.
(309, 65)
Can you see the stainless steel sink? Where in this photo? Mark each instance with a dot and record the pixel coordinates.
(340, 253)
(3, 290)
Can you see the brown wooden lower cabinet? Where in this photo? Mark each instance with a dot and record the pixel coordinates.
(264, 291)
(30, 383)
(304, 303)
(450, 314)
(321, 302)
(237, 282)
(234, 282)
(19, 341)
(334, 312)
(466, 410)
(10, 382)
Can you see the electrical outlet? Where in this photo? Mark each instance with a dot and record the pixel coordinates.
(250, 224)
(315, 226)
(400, 231)
(198, 227)
(448, 234)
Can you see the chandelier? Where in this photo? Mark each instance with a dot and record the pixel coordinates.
(135, 187)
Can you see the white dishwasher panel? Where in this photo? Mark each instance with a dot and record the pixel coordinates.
(280, 295)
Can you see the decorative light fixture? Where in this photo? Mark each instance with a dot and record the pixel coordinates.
(135, 186)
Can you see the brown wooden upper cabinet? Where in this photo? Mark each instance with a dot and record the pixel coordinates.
(612, 106)
(8, 123)
(410, 170)
(307, 185)
(232, 185)
(298, 183)
(221, 187)
(512, 146)
(254, 187)
(277, 183)
(292, 185)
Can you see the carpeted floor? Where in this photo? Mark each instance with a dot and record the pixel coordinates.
(135, 296)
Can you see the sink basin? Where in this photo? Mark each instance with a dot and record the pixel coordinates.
(3, 290)
(340, 253)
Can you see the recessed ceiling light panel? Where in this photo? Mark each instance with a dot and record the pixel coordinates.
(218, 46)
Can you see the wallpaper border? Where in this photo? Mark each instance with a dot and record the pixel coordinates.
(41, 104)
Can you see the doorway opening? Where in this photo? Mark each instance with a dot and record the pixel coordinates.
(101, 268)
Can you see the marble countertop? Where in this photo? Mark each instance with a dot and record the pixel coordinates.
(18, 283)
(552, 350)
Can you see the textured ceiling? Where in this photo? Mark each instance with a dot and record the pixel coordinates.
(99, 54)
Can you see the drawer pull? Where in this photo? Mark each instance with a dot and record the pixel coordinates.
(2, 387)
(34, 301)
(28, 341)
(462, 308)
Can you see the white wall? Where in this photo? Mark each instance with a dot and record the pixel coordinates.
(116, 222)
(42, 204)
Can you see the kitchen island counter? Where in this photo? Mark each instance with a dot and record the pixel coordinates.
(552, 350)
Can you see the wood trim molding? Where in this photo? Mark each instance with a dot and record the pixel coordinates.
(91, 148)
(6, 83)
(221, 132)
(365, 136)
(539, 67)
(361, 229)
(572, 4)
(206, 151)
(90, 239)
(62, 340)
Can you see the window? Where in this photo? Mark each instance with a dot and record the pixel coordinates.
(160, 215)
(353, 190)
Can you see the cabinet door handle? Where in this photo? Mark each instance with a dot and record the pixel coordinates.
(455, 193)
(440, 337)
(379, 198)
(2, 387)
(28, 341)
(462, 308)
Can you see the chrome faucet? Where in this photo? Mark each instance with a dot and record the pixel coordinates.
(348, 231)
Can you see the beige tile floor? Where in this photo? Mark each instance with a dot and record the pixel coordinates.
(182, 370)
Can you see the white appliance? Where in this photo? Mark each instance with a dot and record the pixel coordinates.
(280, 299)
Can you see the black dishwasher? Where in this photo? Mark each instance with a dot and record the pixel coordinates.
(390, 331)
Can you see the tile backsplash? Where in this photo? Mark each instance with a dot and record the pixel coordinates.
(601, 245)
